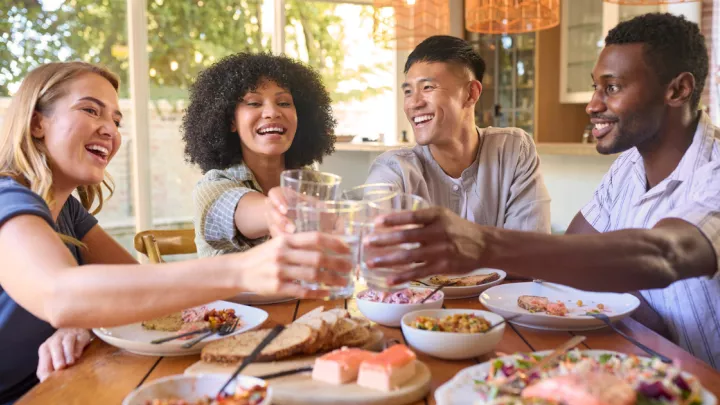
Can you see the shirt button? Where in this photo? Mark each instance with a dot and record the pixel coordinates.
(456, 187)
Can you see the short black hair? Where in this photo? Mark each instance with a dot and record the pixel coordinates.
(210, 144)
(672, 46)
(445, 48)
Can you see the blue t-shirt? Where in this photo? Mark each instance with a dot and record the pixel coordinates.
(21, 333)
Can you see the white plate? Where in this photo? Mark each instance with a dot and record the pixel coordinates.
(136, 339)
(191, 388)
(460, 389)
(453, 293)
(249, 298)
(503, 300)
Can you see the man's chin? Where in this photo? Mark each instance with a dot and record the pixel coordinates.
(423, 137)
(610, 147)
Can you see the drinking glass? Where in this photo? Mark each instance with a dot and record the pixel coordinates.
(344, 219)
(377, 278)
(363, 194)
(369, 192)
(301, 186)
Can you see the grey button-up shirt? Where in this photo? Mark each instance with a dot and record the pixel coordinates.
(503, 187)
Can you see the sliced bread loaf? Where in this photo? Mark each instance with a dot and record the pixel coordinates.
(234, 349)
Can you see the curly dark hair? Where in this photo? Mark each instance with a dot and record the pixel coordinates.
(210, 144)
(673, 45)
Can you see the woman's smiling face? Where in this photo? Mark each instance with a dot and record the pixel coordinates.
(266, 120)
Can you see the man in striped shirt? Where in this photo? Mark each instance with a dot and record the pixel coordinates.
(654, 222)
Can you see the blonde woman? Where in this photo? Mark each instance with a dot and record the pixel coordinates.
(61, 270)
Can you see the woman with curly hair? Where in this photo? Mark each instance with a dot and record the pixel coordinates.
(250, 117)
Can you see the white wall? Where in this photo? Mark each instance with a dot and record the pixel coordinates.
(571, 180)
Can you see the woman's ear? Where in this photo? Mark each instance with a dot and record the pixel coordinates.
(233, 127)
(37, 125)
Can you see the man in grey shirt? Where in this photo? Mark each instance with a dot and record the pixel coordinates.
(489, 176)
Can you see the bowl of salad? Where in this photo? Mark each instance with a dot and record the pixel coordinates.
(388, 309)
(453, 334)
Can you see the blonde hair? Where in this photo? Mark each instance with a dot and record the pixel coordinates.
(22, 156)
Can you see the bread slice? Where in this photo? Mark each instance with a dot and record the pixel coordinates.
(331, 320)
(533, 303)
(469, 281)
(167, 323)
(340, 312)
(234, 349)
(320, 331)
(356, 338)
(315, 312)
(439, 280)
(343, 327)
(364, 322)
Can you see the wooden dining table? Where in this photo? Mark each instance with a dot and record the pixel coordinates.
(106, 374)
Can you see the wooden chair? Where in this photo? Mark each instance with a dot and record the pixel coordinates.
(156, 243)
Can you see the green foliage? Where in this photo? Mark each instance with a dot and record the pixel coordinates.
(184, 37)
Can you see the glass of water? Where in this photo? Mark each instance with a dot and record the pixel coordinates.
(377, 278)
(369, 192)
(344, 219)
(301, 186)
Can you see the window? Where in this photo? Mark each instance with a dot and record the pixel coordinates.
(52, 30)
(184, 37)
(337, 39)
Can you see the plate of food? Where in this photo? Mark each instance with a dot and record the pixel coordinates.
(318, 331)
(583, 377)
(201, 390)
(550, 306)
(343, 376)
(466, 285)
(137, 337)
(249, 298)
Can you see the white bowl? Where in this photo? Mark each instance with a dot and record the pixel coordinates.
(391, 314)
(191, 388)
(449, 345)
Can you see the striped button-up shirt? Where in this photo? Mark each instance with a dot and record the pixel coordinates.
(216, 197)
(691, 193)
(503, 187)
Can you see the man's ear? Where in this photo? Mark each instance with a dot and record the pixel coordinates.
(474, 92)
(680, 89)
(37, 125)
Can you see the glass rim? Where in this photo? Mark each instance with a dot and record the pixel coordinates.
(374, 203)
(335, 178)
(368, 185)
(353, 206)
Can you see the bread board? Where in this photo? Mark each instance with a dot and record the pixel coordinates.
(301, 389)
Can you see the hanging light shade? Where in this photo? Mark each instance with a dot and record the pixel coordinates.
(649, 2)
(406, 23)
(511, 16)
